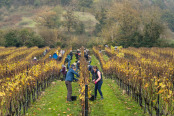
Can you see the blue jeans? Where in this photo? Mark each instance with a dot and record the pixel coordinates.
(98, 87)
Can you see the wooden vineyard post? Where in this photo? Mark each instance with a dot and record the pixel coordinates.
(86, 100)
(140, 93)
(37, 91)
(157, 111)
(128, 81)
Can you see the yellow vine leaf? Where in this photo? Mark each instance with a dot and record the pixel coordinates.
(160, 91)
(2, 94)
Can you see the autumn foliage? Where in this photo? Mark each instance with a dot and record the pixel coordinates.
(84, 79)
(17, 86)
(149, 71)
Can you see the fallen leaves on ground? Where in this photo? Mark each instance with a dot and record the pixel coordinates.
(68, 109)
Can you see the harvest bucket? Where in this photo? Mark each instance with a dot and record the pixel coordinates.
(73, 98)
(92, 98)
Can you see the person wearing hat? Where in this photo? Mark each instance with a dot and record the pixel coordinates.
(78, 64)
(50, 56)
(69, 78)
(115, 48)
(60, 57)
(64, 71)
(34, 60)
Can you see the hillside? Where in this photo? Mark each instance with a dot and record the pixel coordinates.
(20, 13)
(18, 17)
(92, 21)
(23, 17)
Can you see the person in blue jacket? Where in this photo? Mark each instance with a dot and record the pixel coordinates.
(55, 56)
(69, 78)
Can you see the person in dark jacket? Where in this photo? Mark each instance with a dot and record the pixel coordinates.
(90, 69)
(98, 81)
(34, 60)
(71, 54)
(63, 70)
(86, 56)
(78, 64)
(69, 78)
(60, 57)
(76, 56)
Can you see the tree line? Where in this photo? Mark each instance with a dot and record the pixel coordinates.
(81, 3)
(127, 23)
(21, 37)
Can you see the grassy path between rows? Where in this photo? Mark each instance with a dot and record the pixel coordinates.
(53, 102)
(114, 103)
(105, 56)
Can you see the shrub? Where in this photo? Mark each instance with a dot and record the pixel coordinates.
(24, 37)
